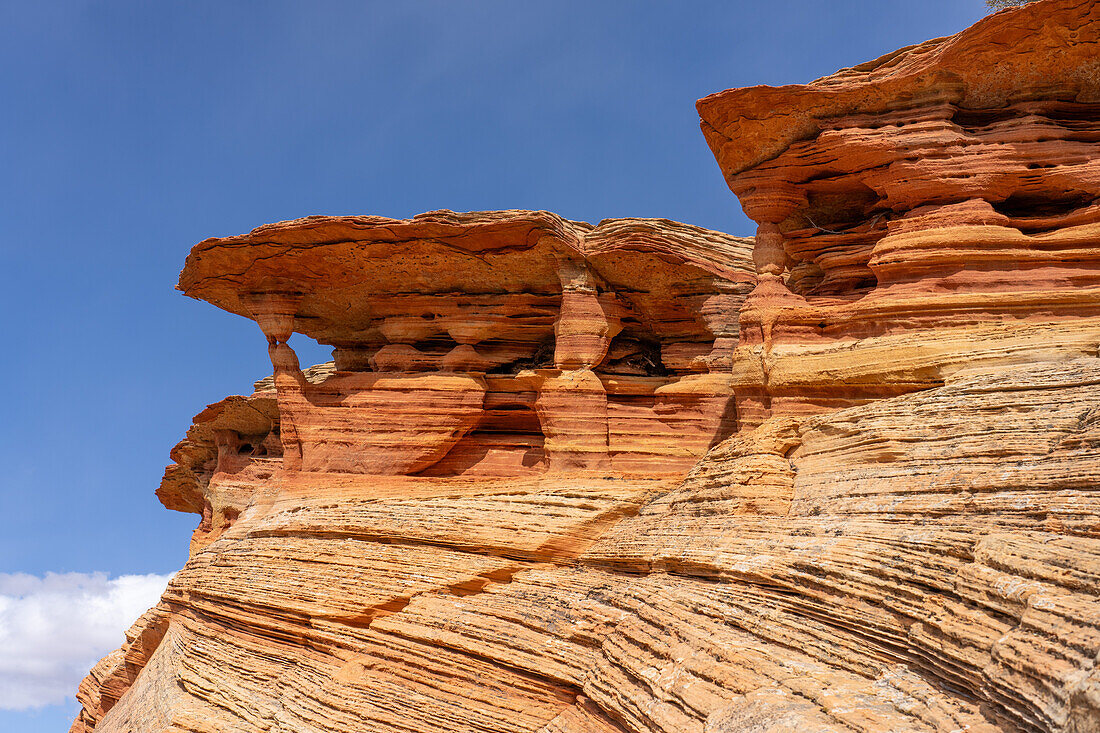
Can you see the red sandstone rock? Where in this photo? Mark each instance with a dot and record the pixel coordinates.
(538, 336)
(930, 214)
(566, 478)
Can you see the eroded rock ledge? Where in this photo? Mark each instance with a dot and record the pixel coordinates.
(642, 476)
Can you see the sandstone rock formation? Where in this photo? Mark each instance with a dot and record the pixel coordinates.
(642, 476)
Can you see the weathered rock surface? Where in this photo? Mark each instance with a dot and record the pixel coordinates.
(643, 476)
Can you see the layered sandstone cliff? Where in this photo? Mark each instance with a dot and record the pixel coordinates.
(642, 476)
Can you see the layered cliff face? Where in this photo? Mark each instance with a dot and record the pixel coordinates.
(642, 476)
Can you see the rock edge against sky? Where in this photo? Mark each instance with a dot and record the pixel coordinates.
(643, 476)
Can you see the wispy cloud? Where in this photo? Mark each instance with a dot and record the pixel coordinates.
(54, 628)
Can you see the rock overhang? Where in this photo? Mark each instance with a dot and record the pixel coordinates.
(345, 275)
(1054, 55)
(478, 343)
(900, 533)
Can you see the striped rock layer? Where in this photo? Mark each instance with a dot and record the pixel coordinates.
(643, 476)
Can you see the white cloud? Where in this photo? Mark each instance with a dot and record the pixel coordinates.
(54, 628)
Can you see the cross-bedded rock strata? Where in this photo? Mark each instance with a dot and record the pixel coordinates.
(642, 476)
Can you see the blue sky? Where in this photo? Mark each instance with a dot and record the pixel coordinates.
(133, 130)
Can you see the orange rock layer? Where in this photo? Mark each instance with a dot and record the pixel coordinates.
(645, 477)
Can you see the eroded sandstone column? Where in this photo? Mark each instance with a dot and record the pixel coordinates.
(572, 405)
(768, 205)
(274, 312)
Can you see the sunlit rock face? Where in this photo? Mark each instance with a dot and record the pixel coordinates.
(642, 476)
(931, 211)
(493, 344)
